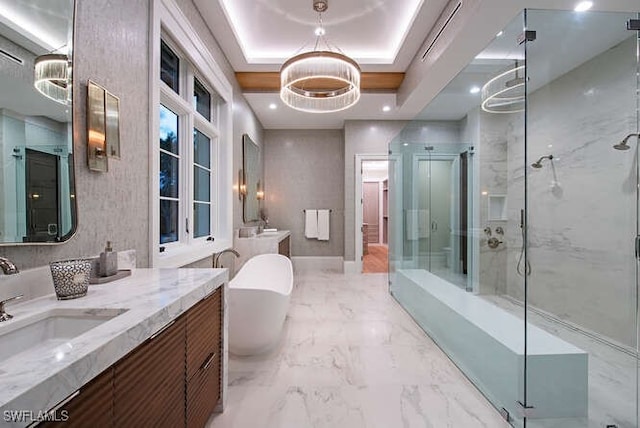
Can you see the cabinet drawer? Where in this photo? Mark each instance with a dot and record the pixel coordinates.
(204, 326)
(91, 407)
(149, 382)
(203, 393)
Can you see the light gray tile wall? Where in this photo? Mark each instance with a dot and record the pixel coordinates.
(112, 49)
(581, 232)
(305, 169)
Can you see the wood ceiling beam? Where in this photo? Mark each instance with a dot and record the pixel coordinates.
(270, 81)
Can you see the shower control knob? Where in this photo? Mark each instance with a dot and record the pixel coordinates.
(493, 242)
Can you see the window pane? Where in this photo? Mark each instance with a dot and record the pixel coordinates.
(201, 99)
(168, 221)
(168, 130)
(201, 184)
(169, 67)
(201, 149)
(201, 212)
(168, 175)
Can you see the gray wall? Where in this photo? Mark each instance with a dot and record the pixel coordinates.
(112, 49)
(304, 169)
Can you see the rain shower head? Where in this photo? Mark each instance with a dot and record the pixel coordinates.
(538, 164)
(622, 145)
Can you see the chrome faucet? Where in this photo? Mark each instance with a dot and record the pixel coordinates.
(216, 257)
(3, 315)
(8, 267)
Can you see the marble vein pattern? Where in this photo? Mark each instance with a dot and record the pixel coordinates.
(147, 301)
(350, 356)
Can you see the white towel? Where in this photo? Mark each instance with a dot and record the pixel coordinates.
(323, 225)
(311, 224)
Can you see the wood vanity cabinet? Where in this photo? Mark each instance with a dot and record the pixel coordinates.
(91, 406)
(171, 380)
(204, 359)
(149, 382)
(284, 248)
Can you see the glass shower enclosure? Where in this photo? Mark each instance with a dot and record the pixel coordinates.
(514, 219)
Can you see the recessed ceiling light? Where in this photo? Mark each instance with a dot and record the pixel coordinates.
(273, 106)
(386, 108)
(474, 89)
(583, 6)
(500, 34)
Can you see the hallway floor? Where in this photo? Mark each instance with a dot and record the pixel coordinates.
(377, 259)
(349, 356)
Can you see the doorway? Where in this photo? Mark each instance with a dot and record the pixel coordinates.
(41, 196)
(375, 218)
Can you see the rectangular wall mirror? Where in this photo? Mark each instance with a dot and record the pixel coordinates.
(37, 195)
(252, 173)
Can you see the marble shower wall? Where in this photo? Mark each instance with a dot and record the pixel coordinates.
(489, 135)
(582, 206)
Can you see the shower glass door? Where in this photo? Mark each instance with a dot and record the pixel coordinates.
(581, 169)
(439, 215)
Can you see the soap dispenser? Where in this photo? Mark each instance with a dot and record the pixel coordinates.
(108, 261)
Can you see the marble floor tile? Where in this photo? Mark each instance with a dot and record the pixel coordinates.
(349, 356)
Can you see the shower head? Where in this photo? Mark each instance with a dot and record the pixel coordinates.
(622, 145)
(538, 164)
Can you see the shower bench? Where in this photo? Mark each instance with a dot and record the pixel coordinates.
(487, 344)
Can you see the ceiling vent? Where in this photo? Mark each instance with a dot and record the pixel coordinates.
(11, 57)
(447, 14)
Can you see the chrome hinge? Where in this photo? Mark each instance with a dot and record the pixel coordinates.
(525, 411)
(526, 36)
(186, 225)
(637, 247)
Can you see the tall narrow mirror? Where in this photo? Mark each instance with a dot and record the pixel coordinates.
(37, 196)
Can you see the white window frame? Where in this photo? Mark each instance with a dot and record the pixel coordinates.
(170, 25)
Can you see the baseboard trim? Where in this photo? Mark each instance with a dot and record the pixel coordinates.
(315, 264)
(350, 267)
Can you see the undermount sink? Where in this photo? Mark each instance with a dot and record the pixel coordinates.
(49, 332)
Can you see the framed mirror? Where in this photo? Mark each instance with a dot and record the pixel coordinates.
(251, 180)
(37, 191)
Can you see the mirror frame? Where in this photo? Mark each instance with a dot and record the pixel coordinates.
(74, 164)
(245, 192)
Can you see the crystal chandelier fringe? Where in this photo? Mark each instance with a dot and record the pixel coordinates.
(320, 81)
(51, 77)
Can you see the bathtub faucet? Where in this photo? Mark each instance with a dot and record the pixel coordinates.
(8, 267)
(216, 257)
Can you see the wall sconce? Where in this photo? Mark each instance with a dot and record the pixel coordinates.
(260, 192)
(242, 185)
(51, 77)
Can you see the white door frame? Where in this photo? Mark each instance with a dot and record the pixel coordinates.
(358, 202)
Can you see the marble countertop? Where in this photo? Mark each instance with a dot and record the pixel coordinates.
(147, 300)
(278, 235)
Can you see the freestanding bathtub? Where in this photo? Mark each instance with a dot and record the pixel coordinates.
(258, 302)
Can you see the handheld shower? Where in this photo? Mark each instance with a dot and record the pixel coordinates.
(538, 164)
(622, 145)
